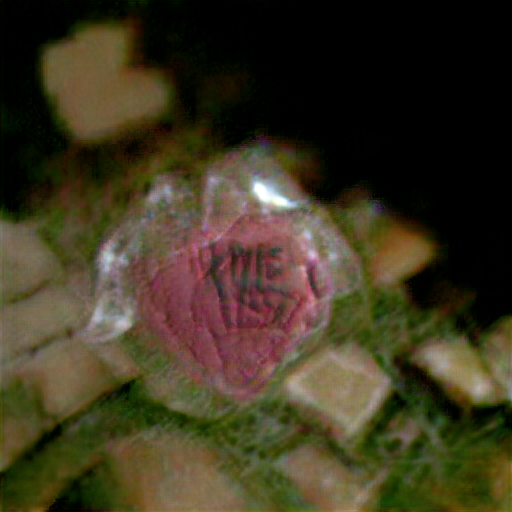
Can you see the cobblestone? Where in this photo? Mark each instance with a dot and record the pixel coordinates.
(112, 95)
(26, 262)
(59, 380)
(460, 370)
(168, 472)
(120, 365)
(67, 376)
(396, 249)
(344, 386)
(21, 421)
(401, 252)
(326, 482)
(49, 313)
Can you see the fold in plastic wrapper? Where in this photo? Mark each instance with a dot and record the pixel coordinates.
(233, 272)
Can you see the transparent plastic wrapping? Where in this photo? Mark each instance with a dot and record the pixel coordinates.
(232, 271)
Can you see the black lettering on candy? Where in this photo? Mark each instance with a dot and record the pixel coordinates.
(250, 285)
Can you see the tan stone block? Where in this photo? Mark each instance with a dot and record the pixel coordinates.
(343, 385)
(94, 90)
(101, 49)
(119, 364)
(21, 421)
(26, 261)
(401, 252)
(125, 101)
(18, 434)
(460, 370)
(326, 482)
(67, 376)
(497, 352)
(48, 314)
(160, 471)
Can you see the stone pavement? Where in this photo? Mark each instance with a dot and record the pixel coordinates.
(48, 374)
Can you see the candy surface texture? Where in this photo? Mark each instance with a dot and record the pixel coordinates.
(232, 274)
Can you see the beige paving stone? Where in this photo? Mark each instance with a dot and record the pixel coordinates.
(400, 252)
(326, 482)
(108, 41)
(18, 434)
(460, 370)
(94, 90)
(119, 364)
(161, 471)
(497, 352)
(26, 262)
(67, 376)
(49, 313)
(396, 249)
(343, 386)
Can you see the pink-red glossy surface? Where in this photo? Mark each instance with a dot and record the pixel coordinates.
(232, 308)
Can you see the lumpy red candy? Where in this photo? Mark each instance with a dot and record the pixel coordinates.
(231, 309)
(230, 271)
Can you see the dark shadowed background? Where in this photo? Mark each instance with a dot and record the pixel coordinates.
(406, 103)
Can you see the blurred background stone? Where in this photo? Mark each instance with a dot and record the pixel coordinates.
(61, 379)
(48, 314)
(22, 420)
(461, 371)
(344, 386)
(92, 68)
(168, 472)
(400, 252)
(67, 377)
(27, 262)
(327, 483)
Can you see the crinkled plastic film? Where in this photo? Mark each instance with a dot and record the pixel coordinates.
(232, 274)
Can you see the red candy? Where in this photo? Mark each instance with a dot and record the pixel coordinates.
(232, 308)
(232, 271)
